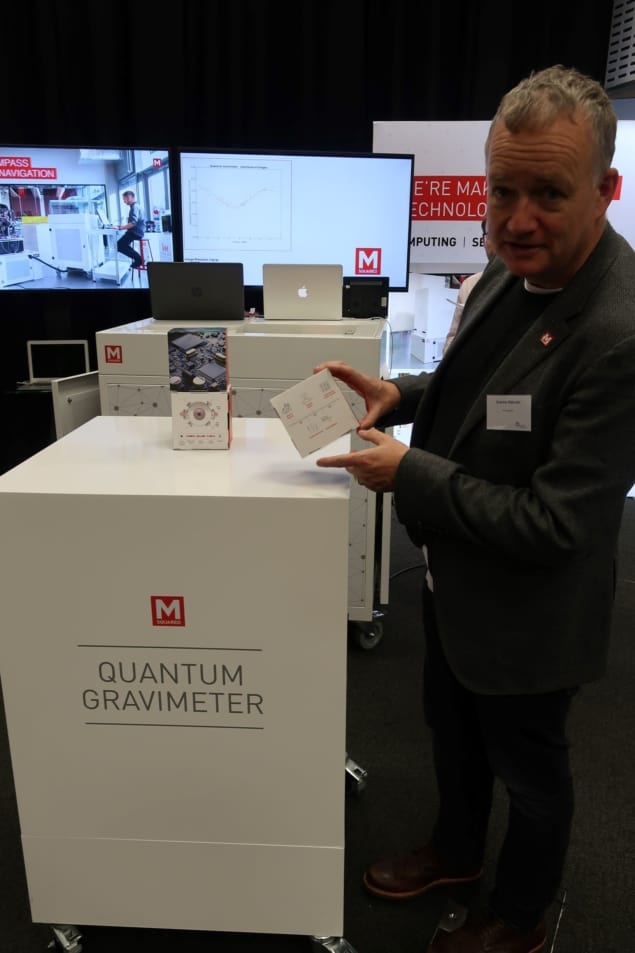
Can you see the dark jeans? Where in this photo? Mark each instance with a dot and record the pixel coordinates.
(124, 245)
(521, 740)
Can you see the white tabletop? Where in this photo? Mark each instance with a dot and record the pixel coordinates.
(134, 456)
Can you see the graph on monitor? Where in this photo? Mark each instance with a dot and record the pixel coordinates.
(235, 202)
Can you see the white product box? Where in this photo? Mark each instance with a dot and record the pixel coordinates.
(200, 395)
(201, 421)
(315, 412)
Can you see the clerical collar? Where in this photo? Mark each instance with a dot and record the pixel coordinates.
(535, 290)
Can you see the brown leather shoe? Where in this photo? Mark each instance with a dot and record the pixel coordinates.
(412, 874)
(488, 934)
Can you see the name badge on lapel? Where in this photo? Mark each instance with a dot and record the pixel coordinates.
(509, 411)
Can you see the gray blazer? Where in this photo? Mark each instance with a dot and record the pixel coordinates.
(522, 526)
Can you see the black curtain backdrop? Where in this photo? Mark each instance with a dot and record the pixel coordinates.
(258, 74)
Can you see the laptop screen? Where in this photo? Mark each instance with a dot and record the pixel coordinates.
(49, 360)
(196, 291)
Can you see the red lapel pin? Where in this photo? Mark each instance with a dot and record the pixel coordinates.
(546, 338)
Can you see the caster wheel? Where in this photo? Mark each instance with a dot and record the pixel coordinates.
(367, 635)
(355, 777)
(66, 938)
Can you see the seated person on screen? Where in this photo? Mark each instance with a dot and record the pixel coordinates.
(134, 229)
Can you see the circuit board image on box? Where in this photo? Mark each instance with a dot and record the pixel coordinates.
(198, 359)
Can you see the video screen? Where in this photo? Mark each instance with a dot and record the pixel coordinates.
(82, 218)
(348, 209)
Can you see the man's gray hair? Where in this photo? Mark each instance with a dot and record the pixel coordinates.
(548, 94)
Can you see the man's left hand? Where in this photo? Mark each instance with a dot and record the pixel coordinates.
(375, 467)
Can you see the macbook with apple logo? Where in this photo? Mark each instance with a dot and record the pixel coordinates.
(293, 292)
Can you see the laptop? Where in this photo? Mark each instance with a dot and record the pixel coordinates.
(48, 360)
(196, 290)
(302, 292)
(102, 221)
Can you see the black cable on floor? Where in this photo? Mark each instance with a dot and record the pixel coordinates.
(400, 572)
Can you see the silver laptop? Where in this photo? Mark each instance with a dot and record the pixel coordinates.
(302, 292)
(48, 360)
(196, 290)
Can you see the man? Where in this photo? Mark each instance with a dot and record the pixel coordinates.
(522, 452)
(134, 229)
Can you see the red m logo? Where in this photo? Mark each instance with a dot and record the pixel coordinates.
(113, 353)
(167, 610)
(368, 261)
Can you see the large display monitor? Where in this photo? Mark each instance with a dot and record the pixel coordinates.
(59, 212)
(308, 208)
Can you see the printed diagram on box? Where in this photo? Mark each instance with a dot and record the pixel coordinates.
(199, 414)
(200, 422)
(310, 422)
(314, 412)
(198, 360)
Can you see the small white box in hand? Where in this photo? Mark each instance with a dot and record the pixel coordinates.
(315, 412)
